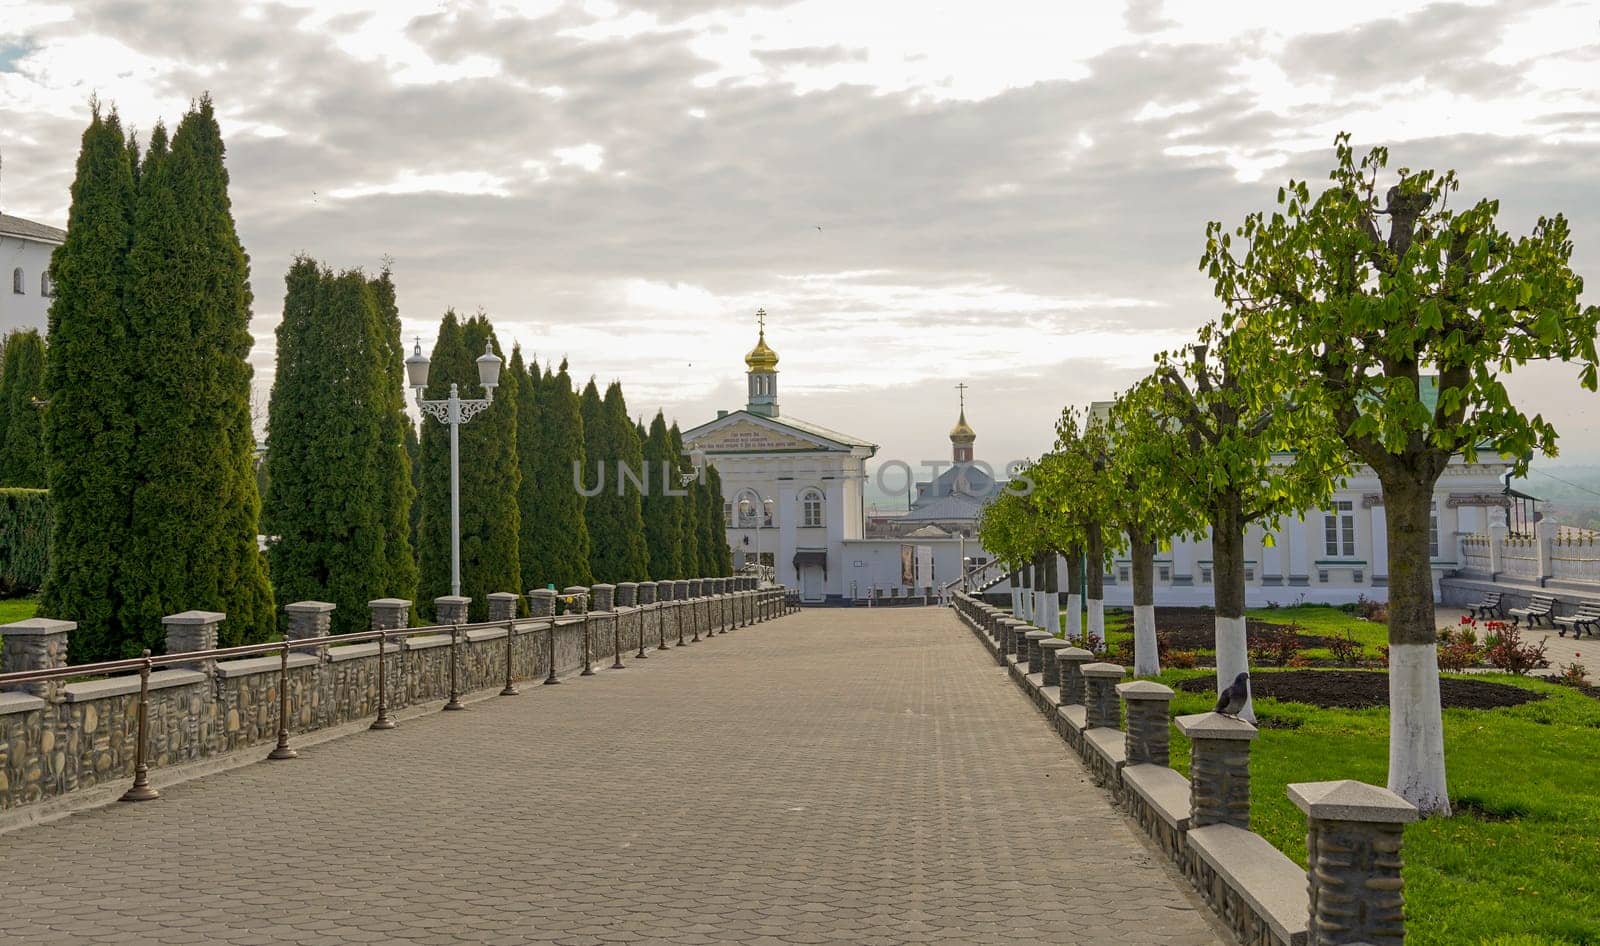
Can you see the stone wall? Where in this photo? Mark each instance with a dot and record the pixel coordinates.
(56, 737)
(1354, 892)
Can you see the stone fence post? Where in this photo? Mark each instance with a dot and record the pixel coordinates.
(1497, 545)
(1034, 641)
(451, 609)
(647, 592)
(197, 630)
(1545, 530)
(1149, 735)
(542, 602)
(680, 589)
(1101, 709)
(580, 599)
(627, 594)
(36, 644)
(502, 605)
(1052, 665)
(605, 595)
(389, 613)
(1219, 769)
(309, 620)
(1353, 835)
(1070, 662)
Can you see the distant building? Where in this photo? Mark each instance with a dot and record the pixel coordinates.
(25, 248)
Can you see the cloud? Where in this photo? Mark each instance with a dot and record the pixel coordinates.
(1014, 199)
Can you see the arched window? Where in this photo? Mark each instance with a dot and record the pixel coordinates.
(747, 507)
(16, 281)
(45, 288)
(811, 508)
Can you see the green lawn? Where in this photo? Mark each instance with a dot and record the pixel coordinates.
(1320, 620)
(17, 609)
(1519, 862)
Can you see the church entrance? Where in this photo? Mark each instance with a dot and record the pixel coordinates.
(811, 583)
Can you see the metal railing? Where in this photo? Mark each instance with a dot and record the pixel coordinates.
(142, 790)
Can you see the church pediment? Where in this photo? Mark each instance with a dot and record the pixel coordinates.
(748, 436)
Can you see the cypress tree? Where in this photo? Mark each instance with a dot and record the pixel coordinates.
(716, 560)
(599, 472)
(89, 426)
(193, 530)
(21, 417)
(688, 508)
(529, 443)
(397, 440)
(562, 545)
(623, 556)
(663, 517)
(329, 402)
(488, 470)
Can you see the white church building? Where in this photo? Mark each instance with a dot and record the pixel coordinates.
(25, 294)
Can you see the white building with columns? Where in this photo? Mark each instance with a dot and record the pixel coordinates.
(1333, 555)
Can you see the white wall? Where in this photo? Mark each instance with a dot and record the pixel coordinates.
(29, 310)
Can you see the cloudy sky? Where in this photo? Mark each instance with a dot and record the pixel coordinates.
(1010, 194)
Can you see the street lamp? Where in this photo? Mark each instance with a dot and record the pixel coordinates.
(745, 507)
(453, 412)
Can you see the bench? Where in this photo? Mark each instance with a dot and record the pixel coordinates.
(1489, 607)
(1540, 607)
(1586, 618)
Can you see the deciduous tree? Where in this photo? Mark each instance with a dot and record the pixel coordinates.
(1403, 315)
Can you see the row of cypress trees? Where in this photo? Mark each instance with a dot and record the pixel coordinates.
(148, 435)
(22, 410)
(150, 451)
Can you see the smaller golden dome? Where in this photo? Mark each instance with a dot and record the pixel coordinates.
(962, 432)
(762, 357)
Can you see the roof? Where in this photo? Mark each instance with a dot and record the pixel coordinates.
(817, 430)
(804, 428)
(929, 531)
(29, 230)
(957, 507)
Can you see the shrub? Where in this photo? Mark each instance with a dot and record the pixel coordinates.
(1369, 610)
(1182, 659)
(1123, 653)
(24, 540)
(1457, 654)
(1573, 674)
(1505, 649)
(1090, 642)
(1276, 647)
(1345, 649)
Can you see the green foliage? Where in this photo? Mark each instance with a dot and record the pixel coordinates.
(326, 457)
(89, 427)
(1498, 872)
(24, 540)
(616, 518)
(22, 410)
(663, 517)
(396, 440)
(561, 533)
(489, 470)
(192, 534)
(691, 510)
(716, 557)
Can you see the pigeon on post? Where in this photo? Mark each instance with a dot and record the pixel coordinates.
(1235, 696)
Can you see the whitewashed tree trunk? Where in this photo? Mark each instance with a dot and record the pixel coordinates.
(1097, 619)
(1233, 658)
(1146, 663)
(1074, 614)
(1416, 729)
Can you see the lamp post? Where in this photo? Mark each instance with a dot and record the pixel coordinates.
(454, 411)
(745, 506)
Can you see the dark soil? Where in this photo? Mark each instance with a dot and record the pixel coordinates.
(1363, 689)
(1196, 629)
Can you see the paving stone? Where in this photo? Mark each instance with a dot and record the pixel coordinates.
(832, 776)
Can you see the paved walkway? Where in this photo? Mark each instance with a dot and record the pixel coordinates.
(837, 776)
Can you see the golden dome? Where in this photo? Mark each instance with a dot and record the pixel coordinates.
(962, 432)
(762, 357)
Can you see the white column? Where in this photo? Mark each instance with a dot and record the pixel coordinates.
(1273, 559)
(784, 517)
(833, 516)
(1183, 559)
(1300, 536)
(1380, 544)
